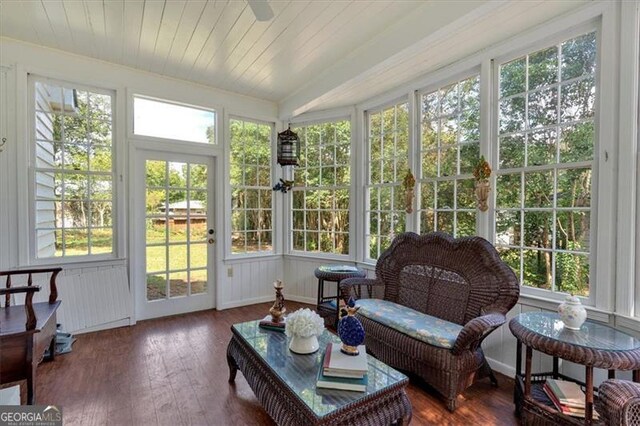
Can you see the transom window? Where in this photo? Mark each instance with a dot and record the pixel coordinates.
(73, 180)
(545, 165)
(321, 189)
(388, 164)
(251, 193)
(449, 149)
(167, 120)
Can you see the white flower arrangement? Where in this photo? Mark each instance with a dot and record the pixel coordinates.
(304, 323)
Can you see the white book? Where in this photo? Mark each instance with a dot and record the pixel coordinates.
(339, 361)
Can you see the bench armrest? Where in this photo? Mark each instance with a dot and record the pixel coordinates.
(474, 332)
(28, 302)
(21, 289)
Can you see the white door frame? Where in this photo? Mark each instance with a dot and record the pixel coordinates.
(142, 308)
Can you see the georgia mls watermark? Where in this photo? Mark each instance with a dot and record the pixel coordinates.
(30, 415)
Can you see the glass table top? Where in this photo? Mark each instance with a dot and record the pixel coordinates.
(592, 334)
(299, 372)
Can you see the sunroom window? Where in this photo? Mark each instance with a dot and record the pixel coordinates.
(321, 191)
(73, 179)
(449, 149)
(545, 154)
(388, 164)
(251, 193)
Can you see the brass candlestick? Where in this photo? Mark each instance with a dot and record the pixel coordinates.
(278, 309)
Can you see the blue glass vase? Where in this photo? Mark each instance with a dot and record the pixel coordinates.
(350, 330)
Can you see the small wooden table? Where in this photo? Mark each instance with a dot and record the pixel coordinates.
(285, 383)
(595, 345)
(328, 307)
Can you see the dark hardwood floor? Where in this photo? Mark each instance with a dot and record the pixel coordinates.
(173, 371)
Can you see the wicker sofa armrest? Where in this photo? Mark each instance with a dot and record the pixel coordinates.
(620, 401)
(474, 332)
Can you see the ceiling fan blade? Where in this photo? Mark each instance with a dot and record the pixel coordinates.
(261, 9)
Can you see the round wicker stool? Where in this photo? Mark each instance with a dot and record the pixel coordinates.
(328, 307)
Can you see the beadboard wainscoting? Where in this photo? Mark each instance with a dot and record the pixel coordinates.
(93, 298)
(301, 284)
(249, 281)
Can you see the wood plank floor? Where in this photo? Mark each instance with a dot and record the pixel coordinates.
(173, 371)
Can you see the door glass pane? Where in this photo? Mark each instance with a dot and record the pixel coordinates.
(176, 229)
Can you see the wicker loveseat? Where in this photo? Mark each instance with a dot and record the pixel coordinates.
(438, 298)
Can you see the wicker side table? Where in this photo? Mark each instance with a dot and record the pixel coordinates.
(328, 307)
(595, 345)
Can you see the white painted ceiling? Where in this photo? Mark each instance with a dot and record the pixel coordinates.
(312, 55)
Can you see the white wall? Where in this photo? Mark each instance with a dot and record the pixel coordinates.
(82, 309)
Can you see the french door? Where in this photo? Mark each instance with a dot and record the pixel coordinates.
(174, 234)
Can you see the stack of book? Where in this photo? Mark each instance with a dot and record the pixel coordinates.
(267, 323)
(567, 397)
(343, 372)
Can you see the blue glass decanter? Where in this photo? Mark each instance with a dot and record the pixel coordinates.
(350, 330)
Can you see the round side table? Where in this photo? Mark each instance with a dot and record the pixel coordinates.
(595, 345)
(328, 307)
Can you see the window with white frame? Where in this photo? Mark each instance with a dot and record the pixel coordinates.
(164, 119)
(251, 193)
(73, 150)
(388, 164)
(320, 213)
(545, 158)
(449, 149)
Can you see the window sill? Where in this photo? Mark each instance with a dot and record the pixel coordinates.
(244, 258)
(67, 264)
(320, 257)
(548, 304)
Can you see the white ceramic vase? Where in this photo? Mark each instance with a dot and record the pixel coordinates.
(304, 345)
(572, 313)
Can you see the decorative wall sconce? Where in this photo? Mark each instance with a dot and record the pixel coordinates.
(482, 172)
(288, 148)
(408, 184)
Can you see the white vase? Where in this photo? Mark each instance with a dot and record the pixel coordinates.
(572, 313)
(304, 345)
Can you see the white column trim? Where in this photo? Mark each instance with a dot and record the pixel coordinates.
(627, 160)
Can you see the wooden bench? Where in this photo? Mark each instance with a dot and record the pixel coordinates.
(26, 331)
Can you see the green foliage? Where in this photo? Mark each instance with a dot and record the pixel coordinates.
(523, 143)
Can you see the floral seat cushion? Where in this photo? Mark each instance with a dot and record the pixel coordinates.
(423, 327)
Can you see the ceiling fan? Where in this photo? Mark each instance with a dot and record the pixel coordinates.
(261, 9)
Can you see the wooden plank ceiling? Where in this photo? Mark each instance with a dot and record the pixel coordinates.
(217, 43)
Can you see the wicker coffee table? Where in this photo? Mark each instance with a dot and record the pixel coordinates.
(285, 383)
(595, 345)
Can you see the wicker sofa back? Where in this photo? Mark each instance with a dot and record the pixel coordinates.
(453, 279)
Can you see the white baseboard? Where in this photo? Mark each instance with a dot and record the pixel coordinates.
(507, 370)
(114, 324)
(244, 302)
(302, 299)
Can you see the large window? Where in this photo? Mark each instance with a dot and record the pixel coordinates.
(544, 164)
(321, 191)
(388, 164)
(73, 188)
(251, 193)
(449, 149)
(167, 120)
